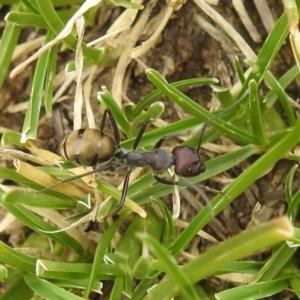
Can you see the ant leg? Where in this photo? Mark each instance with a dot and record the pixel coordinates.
(161, 140)
(104, 119)
(187, 184)
(113, 123)
(124, 193)
(139, 136)
(104, 167)
(159, 143)
(197, 188)
(126, 180)
(164, 181)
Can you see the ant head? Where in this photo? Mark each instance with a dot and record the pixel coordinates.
(188, 162)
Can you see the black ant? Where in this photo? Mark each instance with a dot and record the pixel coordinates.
(91, 147)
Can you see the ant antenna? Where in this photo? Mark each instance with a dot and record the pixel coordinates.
(219, 115)
(108, 167)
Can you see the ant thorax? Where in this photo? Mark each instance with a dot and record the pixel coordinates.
(158, 160)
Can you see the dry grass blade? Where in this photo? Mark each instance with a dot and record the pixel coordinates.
(245, 18)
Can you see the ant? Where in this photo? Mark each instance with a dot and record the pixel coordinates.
(91, 147)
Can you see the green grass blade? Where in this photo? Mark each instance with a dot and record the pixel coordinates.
(172, 269)
(15, 259)
(194, 109)
(242, 245)
(48, 290)
(29, 6)
(224, 96)
(9, 41)
(254, 291)
(116, 292)
(107, 100)
(168, 230)
(16, 288)
(266, 56)
(157, 93)
(275, 263)
(34, 199)
(103, 244)
(294, 205)
(295, 284)
(151, 137)
(50, 75)
(142, 288)
(284, 81)
(70, 270)
(255, 115)
(289, 184)
(239, 70)
(246, 267)
(25, 19)
(38, 224)
(282, 96)
(268, 51)
(30, 124)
